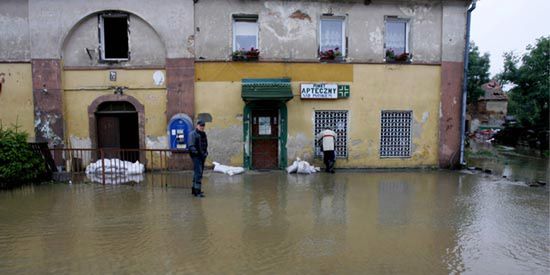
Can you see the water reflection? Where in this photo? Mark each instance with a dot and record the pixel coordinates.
(393, 202)
(419, 222)
(329, 200)
(114, 178)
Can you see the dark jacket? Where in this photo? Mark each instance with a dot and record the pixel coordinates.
(198, 144)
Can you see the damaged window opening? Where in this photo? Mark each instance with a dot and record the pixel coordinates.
(338, 122)
(395, 134)
(114, 36)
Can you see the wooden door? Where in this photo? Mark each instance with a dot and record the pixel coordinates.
(265, 139)
(108, 132)
(108, 135)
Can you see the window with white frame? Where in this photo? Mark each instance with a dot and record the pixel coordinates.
(395, 133)
(338, 122)
(397, 35)
(114, 36)
(245, 32)
(332, 34)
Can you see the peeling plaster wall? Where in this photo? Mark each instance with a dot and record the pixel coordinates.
(222, 100)
(373, 88)
(288, 30)
(83, 87)
(84, 157)
(226, 144)
(51, 21)
(44, 123)
(391, 87)
(77, 142)
(299, 145)
(14, 29)
(454, 31)
(147, 48)
(156, 142)
(16, 100)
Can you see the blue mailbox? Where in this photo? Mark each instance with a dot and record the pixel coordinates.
(178, 130)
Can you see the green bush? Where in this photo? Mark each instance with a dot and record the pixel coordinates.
(18, 163)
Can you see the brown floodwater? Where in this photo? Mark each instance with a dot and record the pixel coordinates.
(351, 222)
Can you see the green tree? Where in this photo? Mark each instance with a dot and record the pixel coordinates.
(18, 163)
(478, 73)
(528, 100)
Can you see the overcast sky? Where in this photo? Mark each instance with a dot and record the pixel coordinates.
(500, 26)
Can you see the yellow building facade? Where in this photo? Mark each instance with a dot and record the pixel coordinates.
(16, 99)
(80, 87)
(373, 89)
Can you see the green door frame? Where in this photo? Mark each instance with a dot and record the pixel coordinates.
(247, 130)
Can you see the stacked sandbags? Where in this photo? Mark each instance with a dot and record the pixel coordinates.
(115, 166)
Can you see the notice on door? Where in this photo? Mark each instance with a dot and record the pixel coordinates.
(319, 91)
(264, 126)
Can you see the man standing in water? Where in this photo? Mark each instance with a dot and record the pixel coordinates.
(327, 138)
(198, 150)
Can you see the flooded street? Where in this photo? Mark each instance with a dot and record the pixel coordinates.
(377, 222)
(515, 164)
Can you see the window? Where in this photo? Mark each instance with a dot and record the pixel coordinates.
(332, 34)
(397, 35)
(245, 32)
(338, 122)
(395, 136)
(113, 36)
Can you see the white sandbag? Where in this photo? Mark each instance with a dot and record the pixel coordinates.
(229, 170)
(219, 168)
(292, 168)
(135, 168)
(302, 167)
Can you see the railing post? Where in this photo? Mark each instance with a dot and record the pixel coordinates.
(152, 161)
(102, 165)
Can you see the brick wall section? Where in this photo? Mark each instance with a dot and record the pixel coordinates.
(180, 85)
(449, 124)
(48, 106)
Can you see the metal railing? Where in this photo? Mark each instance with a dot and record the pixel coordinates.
(111, 164)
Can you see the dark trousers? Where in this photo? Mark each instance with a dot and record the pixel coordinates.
(198, 168)
(330, 159)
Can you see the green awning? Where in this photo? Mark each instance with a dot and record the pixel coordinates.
(278, 89)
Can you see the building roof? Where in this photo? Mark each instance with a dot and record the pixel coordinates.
(493, 92)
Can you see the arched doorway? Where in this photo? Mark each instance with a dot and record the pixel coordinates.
(118, 128)
(109, 110)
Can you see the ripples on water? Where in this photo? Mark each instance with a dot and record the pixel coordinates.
(433, 222)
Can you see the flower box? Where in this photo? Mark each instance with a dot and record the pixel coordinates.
(331, 55)
(243, 55)
(391, 57)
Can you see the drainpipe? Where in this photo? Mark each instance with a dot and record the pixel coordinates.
(465, 82)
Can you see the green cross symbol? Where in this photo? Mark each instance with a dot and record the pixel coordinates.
(343, 91)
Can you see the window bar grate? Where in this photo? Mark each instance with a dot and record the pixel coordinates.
(395, 134)
(338, 122)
